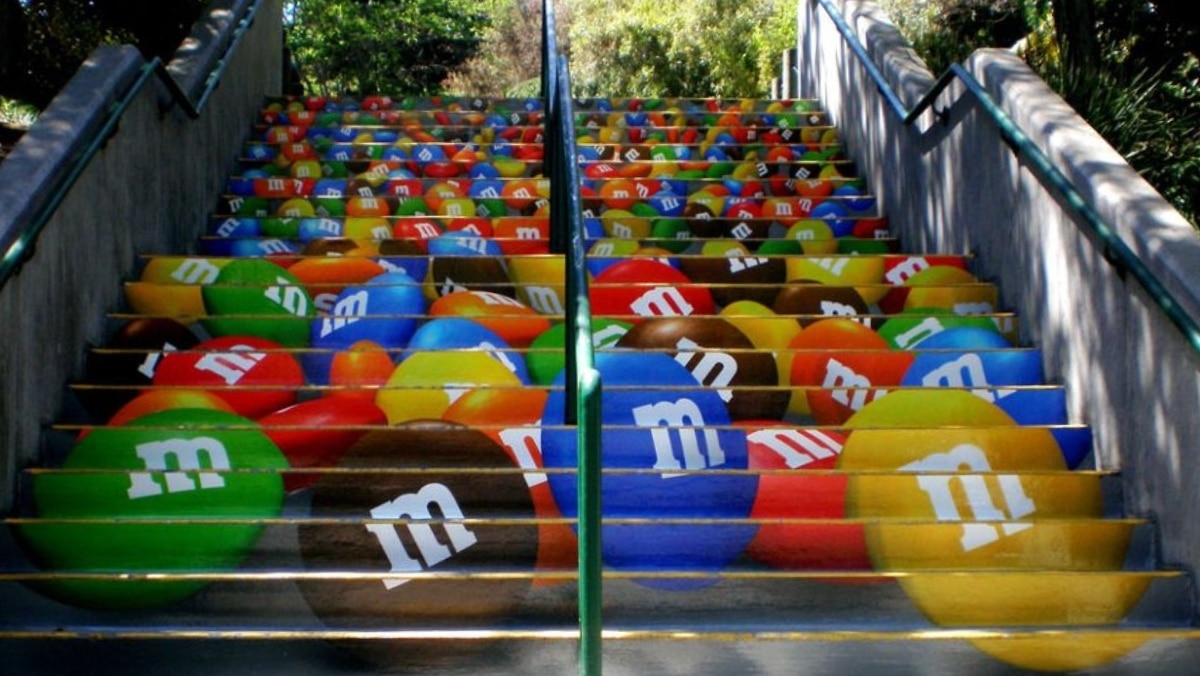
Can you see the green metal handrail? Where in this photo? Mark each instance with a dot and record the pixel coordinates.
(581, 379)
(584, 380)
(1115, 250)
(18, 247)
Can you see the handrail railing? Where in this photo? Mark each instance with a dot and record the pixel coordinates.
(584, 380)
(18, 246)
(549, 56)
(1115, 250)
(213, 79)
(581, 379)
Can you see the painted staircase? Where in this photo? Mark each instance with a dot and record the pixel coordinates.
(332, 437)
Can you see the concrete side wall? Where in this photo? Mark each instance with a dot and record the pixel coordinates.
(148, 189)
(954, 185)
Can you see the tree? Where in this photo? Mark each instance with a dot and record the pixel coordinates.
(43, 42)
(381, 46)
(725, 48)
(509, 60)
(1129, 67)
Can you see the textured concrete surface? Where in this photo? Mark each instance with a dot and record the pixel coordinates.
(147, 189)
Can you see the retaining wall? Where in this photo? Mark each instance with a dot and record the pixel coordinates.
(953, 184)
(148, 189)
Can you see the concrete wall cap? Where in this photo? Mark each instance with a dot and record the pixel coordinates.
(44, 153)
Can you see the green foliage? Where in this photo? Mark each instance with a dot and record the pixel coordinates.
(381, 46)
(509, 61)
(945, 32)
(1144, 99)
(636, 47)
(698, 48)
(775, 34)
(1151, 118)
(16, 114)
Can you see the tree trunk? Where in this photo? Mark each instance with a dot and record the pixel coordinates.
(1075, 29)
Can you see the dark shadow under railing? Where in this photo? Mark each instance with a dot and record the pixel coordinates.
(581, 379)
(18, 244)
(1115, 250)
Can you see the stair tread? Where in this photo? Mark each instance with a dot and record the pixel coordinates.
(1095, 578)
